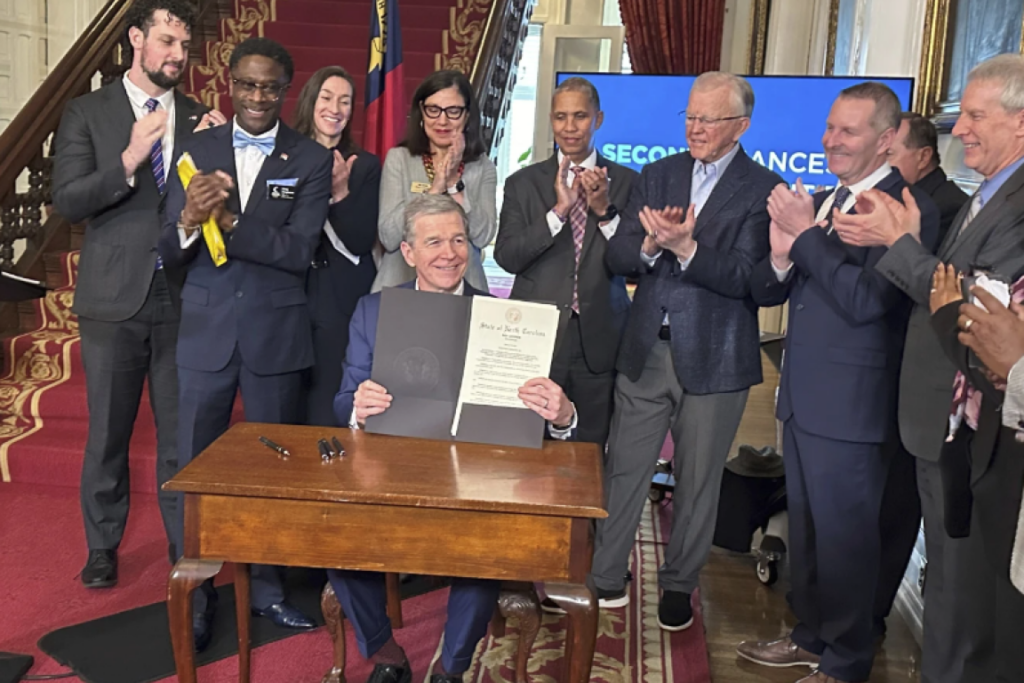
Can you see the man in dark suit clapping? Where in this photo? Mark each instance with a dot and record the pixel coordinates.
(245, 325)
(695, 225)
(556, 221)
(113, 149)
(837, 394)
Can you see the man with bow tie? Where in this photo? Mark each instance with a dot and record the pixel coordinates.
(244, 322)
(837, 394)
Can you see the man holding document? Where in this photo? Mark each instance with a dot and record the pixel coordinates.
(436, 244)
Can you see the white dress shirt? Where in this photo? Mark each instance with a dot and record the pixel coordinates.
(555, 432)
(248, 162)
(555, 223)
(138, 98)
(876, 176)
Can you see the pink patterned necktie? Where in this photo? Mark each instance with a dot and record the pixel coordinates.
(966, 399)
(578, 221)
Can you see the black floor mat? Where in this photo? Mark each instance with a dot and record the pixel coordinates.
(135, 646)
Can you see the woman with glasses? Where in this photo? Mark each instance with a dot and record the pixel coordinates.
(442, 153)
(343, 269)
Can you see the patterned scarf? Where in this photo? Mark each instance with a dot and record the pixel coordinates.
(966, 399)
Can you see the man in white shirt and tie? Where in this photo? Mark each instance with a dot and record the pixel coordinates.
(110, 173)
(556, 221)
(694, 226)
(837, 393)
(244, 323)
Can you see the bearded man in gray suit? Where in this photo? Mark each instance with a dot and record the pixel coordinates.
(114, 149)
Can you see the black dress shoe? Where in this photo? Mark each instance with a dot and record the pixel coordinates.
(445, 678)
(202, 622)
(388, 673)
(100, 569)
(286, 616)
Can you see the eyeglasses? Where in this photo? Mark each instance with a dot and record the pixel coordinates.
(272, 91)
(432, 111)
(707, 121)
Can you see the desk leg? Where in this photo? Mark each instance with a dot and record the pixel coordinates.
(335, 622)
(185, 577)
(243, 618)
(580, 603)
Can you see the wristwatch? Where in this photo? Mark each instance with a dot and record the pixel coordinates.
(611, 213)
(456, 188)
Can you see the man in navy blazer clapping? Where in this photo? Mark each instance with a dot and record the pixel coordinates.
(838, 391)
(244, 323)
(695, 225)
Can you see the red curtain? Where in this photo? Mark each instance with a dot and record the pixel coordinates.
(673, 36)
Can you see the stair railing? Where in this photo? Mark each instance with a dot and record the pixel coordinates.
(496, 66)
(26, 164)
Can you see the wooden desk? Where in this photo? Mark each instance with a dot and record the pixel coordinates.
(391, 504)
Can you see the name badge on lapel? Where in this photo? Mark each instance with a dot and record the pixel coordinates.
(419, 188)
(282, 188)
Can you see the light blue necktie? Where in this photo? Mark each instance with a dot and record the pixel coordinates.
(241, 140)
(700, 195)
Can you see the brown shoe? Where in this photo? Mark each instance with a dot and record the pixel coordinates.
(818, 677)
(777, 653)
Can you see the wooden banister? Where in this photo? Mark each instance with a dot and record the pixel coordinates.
(496, 65)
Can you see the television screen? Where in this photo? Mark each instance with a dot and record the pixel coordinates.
(643, 120)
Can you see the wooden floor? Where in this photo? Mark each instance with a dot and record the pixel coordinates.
(738, 607)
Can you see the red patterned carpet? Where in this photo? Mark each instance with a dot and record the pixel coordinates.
(41, 555)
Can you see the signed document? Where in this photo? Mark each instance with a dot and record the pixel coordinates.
(509, 343)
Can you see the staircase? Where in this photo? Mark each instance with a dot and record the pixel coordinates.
(43, 412)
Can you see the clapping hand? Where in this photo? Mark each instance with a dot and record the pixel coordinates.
(880, 220)
(340, 175)
(945, 287)
(145, 132)
(205, 196)
(210, 119)
(565, 192)
(792, 210)
(595, 185)
(669, 228)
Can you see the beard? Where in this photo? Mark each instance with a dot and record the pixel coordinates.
(161, 79)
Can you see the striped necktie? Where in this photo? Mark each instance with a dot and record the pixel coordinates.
(156, 160)
(976, 203)
(578, 221)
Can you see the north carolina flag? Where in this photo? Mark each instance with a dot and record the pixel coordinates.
(385, 89)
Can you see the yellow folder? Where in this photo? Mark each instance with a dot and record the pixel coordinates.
(211, 231)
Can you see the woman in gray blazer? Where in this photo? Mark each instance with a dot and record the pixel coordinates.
(442, 153)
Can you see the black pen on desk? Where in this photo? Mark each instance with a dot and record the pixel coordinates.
(337, 446)
(325, 450)
(283, 452)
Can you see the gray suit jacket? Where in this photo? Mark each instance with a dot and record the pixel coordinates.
(544, 265)
(401, 170)
(994, 240)
(122, 223)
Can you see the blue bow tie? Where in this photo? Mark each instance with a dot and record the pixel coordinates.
(241, 140)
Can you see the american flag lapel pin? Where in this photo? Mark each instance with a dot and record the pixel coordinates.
(194, 117)
(284, 156)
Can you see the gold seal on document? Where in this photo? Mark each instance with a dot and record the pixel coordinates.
(513, 315)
